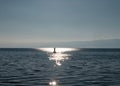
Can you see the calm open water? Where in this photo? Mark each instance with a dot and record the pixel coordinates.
(40, 67)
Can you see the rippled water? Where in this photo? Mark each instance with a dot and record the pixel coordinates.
(83, 67)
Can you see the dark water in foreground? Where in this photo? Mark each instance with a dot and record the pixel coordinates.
(83, 67)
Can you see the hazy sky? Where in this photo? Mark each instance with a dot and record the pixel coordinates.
(39, 21)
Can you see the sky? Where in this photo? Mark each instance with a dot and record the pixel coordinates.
(24, 22)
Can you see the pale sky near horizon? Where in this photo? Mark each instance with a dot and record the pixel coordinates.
(39, 21)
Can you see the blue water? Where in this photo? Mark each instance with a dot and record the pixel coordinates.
(82, 67)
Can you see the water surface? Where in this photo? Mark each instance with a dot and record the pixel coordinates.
(72, 67)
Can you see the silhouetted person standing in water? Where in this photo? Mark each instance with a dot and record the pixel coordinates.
(54, 50)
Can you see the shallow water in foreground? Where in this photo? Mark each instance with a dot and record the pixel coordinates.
(82, 67)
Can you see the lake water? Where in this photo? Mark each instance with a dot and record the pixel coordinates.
(67, 67)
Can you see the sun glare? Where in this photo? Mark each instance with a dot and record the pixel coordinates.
(57, 49)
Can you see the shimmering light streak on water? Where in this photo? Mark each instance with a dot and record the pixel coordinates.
(58, 58)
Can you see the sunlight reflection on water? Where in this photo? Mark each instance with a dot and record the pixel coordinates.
(53, 83)
(58, 57)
